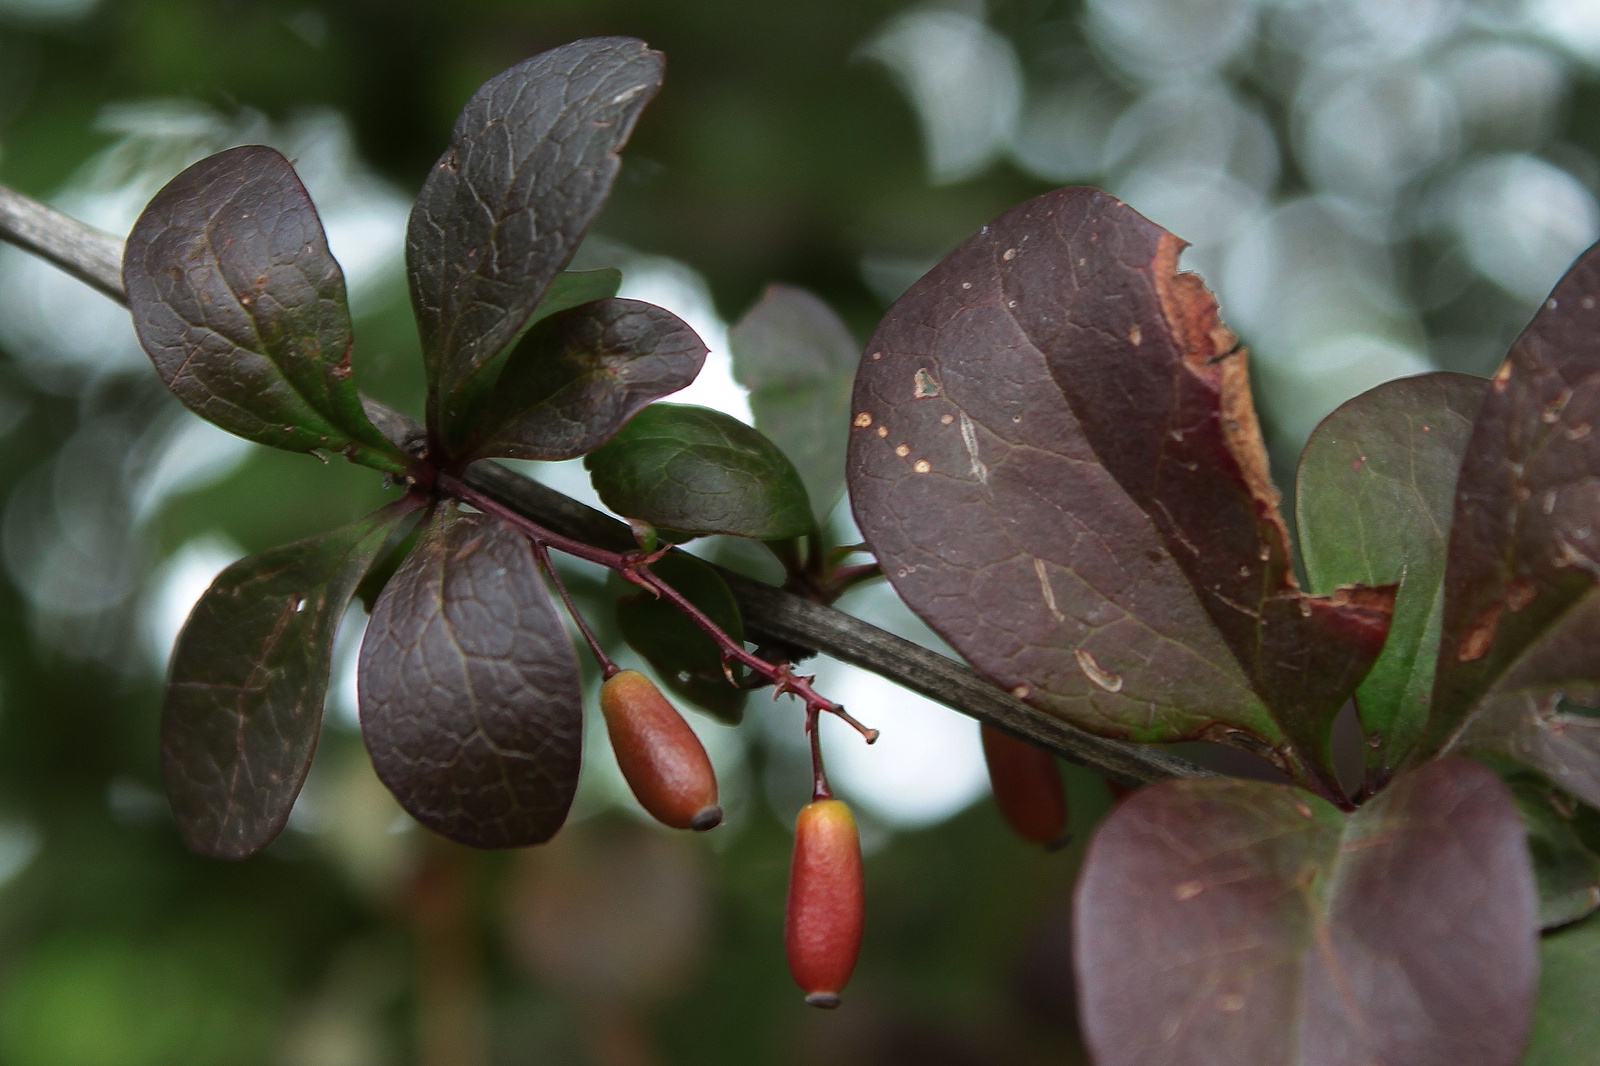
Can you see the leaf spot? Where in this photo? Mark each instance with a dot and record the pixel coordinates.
(1427, 428)
(1091, 669)
(1502, 376)
(1577, 432)
(924, 387)
(922, 466)
(966, 284)
(946, 419)
(628, 94)
(883, 431)
(1135, 335)
(1521, 592)
(1301, 809)
(902, 450)
(1230, 1003)
(1550, 304)
(863, 420)
(1479, 635)
(1548, 504)
(1020, 692)
(969, 437)
(1009, 254)
(876, 356)
(1587, 303)
(1186, 890)
(1050, 598)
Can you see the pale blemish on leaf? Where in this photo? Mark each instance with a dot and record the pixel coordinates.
(1050, 596)
(1091, 669)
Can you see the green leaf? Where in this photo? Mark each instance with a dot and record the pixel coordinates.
(700, 471)
(1568, 873)
(1374, 496)
(578, 376)
(1566, 1025)
(248, 677)
(241, 307)
(798, 360)
(530, 163)
(1226, 921)
(687, 660)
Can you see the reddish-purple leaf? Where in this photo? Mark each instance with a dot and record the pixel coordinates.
(1518, 674)
(242, 308)
(577, 376)
(530, 163)
(470, 703)
(1226, 922)
(248, 678)
(1055, 457)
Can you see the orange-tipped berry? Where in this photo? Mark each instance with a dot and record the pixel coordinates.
(827, 905)
(663, 761)
(1027, 788)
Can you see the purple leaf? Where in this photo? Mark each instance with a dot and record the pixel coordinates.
(577, 376)
(242, 308)
(248, 679)
(1517, 672)
(470, 703)
(1055, 457)
(530, 163)
(1223, 921)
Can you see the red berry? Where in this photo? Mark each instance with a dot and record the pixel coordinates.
(827, 905)
(1027, 788)
(661, 758)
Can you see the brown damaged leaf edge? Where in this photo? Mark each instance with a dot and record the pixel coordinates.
(1358, 614)
(1088, 484)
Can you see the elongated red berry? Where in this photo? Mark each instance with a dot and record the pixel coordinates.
(827, 905)
(1027, 788)
(663, 761)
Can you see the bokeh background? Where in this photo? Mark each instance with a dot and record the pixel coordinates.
(1373, 188)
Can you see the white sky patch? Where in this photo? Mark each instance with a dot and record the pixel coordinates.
(177, 587)
(198, 454)
(965, 82)
(927, 765)
(343, 694)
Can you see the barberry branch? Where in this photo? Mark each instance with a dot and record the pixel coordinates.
(771, 614)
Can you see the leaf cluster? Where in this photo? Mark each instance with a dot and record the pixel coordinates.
(469, 688)
(1055, 456)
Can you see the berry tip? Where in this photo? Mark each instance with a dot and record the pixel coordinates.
(706, 818)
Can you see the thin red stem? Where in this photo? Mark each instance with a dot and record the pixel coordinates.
(608, 668)
(634, 566)
(819, 776)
